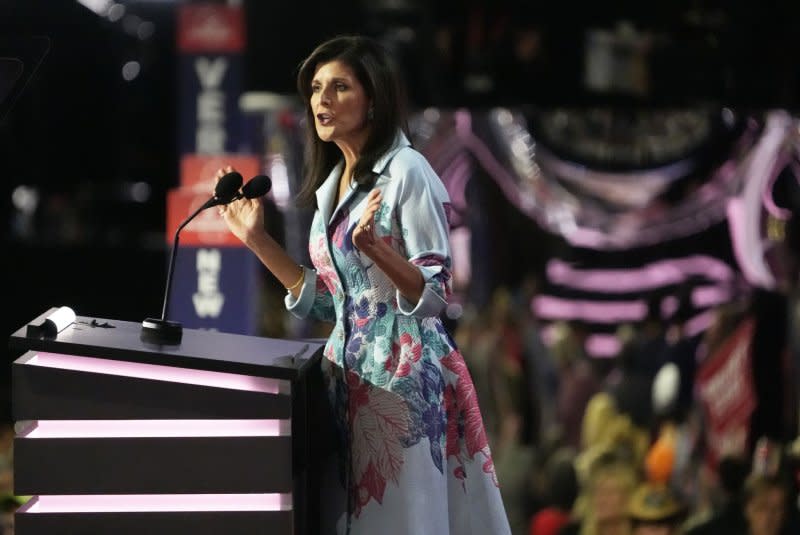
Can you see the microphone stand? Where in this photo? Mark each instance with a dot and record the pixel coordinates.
(161, 330)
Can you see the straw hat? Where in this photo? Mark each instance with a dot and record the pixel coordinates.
(654, 503)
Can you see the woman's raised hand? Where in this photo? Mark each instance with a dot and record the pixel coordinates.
(364, 232)
(244, 217)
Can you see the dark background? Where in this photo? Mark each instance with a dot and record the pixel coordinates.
(80, 137)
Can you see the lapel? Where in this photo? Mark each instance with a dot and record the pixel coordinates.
(326, 194)
(400, 142)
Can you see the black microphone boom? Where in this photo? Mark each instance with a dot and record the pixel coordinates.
(162, 330)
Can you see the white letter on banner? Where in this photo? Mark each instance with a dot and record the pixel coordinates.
(208, 300)
(210, 136)
(210, 139)
(211, 106)
(210, 72)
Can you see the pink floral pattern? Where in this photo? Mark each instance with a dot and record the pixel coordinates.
(406, 352)
(464, 414)
(378, 420)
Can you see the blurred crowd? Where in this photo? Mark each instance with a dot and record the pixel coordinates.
(605, 446)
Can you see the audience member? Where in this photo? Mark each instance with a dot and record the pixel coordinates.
(602, 507)
(654, 509)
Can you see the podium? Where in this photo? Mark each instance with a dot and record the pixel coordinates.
(115, 435)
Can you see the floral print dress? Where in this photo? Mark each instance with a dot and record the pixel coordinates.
(416, 458)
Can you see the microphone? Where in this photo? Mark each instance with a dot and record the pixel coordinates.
(161, 330)
(226, 191)
(258, 186)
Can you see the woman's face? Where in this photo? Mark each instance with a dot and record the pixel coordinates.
(339, 104)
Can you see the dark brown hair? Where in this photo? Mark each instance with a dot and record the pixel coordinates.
(378, 74)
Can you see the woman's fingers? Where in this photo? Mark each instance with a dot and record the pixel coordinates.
(373, 203)
(364, 233)
(366, 222)
(222, 171)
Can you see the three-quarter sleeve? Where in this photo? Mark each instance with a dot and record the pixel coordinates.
(422, 213)
(315, 300)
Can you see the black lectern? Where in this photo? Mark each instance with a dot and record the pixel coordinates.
(115, 435)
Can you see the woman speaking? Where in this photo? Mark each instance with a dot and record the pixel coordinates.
(414, 454)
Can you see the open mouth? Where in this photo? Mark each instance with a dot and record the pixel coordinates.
(324, 118)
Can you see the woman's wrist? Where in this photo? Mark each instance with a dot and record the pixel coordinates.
(258, 239)
(376, 249)
(406, 277)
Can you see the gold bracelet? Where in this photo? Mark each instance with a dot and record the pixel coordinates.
(299, 281)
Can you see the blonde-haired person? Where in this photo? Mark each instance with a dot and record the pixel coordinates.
(655, 509)
(602, 508)
(605, 429)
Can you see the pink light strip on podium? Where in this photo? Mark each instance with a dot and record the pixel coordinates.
(119, 503)
(156, 428)
(160, 373)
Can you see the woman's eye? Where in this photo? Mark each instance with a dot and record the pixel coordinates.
(341, 87)
(314, 88)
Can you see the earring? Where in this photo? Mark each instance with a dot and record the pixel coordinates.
(370, 113)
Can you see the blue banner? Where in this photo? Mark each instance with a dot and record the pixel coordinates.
(217, 288)
(210, 121)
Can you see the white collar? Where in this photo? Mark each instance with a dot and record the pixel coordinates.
(329, 189)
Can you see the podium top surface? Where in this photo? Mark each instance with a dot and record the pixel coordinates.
(199, 349)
